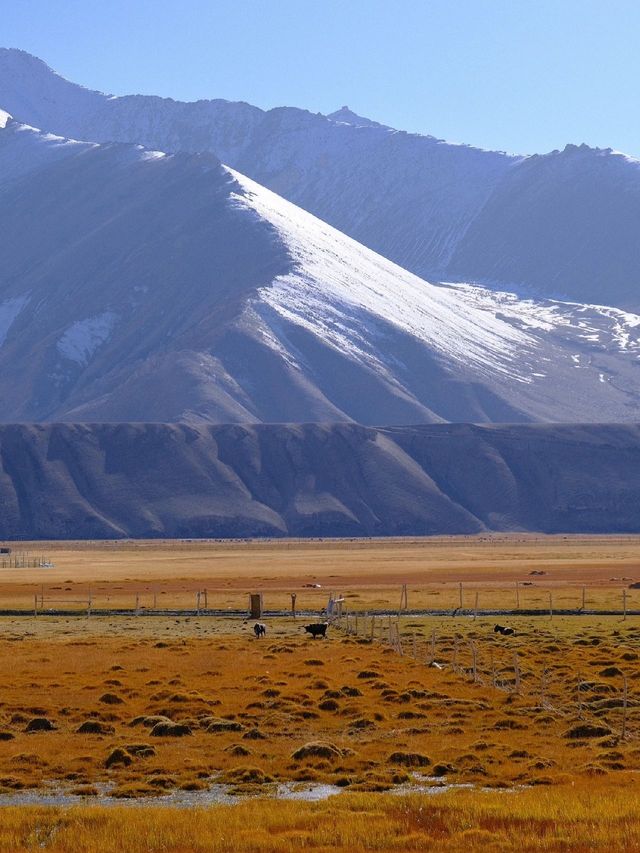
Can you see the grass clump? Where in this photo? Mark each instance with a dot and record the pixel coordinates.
(409, 759)
(95, 727)
(317, 749)
(40, 724)
(170, 729)
(587, 730)
(118, 756)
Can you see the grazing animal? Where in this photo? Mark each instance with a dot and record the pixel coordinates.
(317, 630)
(504, 630)
(259, 629)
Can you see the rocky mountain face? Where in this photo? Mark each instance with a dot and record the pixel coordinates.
(559, 225)
(143, 279)
(145, 480)
(406, 196)
(141, 286)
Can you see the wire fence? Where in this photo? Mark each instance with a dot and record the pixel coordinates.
(529, 672)
(452, 599)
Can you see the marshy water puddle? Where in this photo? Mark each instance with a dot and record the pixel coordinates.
(55, 794)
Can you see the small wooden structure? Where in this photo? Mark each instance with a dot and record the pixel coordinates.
(255, 605)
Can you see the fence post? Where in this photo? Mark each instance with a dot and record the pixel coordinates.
(580, 714)
(293, 604)
(624, 604)
(475, 609)
(460, 595)
(155, 598)
(35, 604)
(89, 604)
(516, 669)
(373, 626)
(517, 596)
(474, 660)
(403, 598)
(198, 603)
(137, 605)
(583, 597)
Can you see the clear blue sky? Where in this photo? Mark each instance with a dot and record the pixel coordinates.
(519, 75)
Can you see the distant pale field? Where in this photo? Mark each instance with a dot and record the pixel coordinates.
(369, 573)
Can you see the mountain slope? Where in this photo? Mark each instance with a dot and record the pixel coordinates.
(136, 285)
(564, 224)
(561, 225)
(144, 480)
(406, 196)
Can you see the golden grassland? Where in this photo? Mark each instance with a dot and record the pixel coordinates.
(245, 706)
(544, 726)
(578, 818)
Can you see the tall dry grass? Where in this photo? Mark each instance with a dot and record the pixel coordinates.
(576, 818)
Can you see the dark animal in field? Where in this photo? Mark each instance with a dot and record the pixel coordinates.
(259, 629)
(317, 630)
(504, 630)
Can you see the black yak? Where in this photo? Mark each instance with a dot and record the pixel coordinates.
(317, 630)
(504, 630)
(259, 629)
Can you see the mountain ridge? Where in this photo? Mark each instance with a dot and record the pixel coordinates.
(307, 158)
(109, 481)
(140, 285)
(440, 210)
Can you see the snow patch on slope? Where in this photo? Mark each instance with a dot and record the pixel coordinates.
(604, 325)
(84, 337)
(338, 283)
(350, 298)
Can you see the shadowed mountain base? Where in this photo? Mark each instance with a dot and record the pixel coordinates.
(157, 480)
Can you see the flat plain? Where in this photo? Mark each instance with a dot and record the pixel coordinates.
(369, 572)
(425, 729)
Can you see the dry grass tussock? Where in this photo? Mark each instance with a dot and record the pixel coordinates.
(571, 819)
(210, 703)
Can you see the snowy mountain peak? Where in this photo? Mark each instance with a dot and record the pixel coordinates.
(347, 116)
(561, 224)
(5, 118)
(167, 287)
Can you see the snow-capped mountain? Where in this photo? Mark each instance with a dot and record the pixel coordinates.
(406, 196)
(139, 285)
(559, 225)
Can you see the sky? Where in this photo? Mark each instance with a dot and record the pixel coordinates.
(523, 76)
